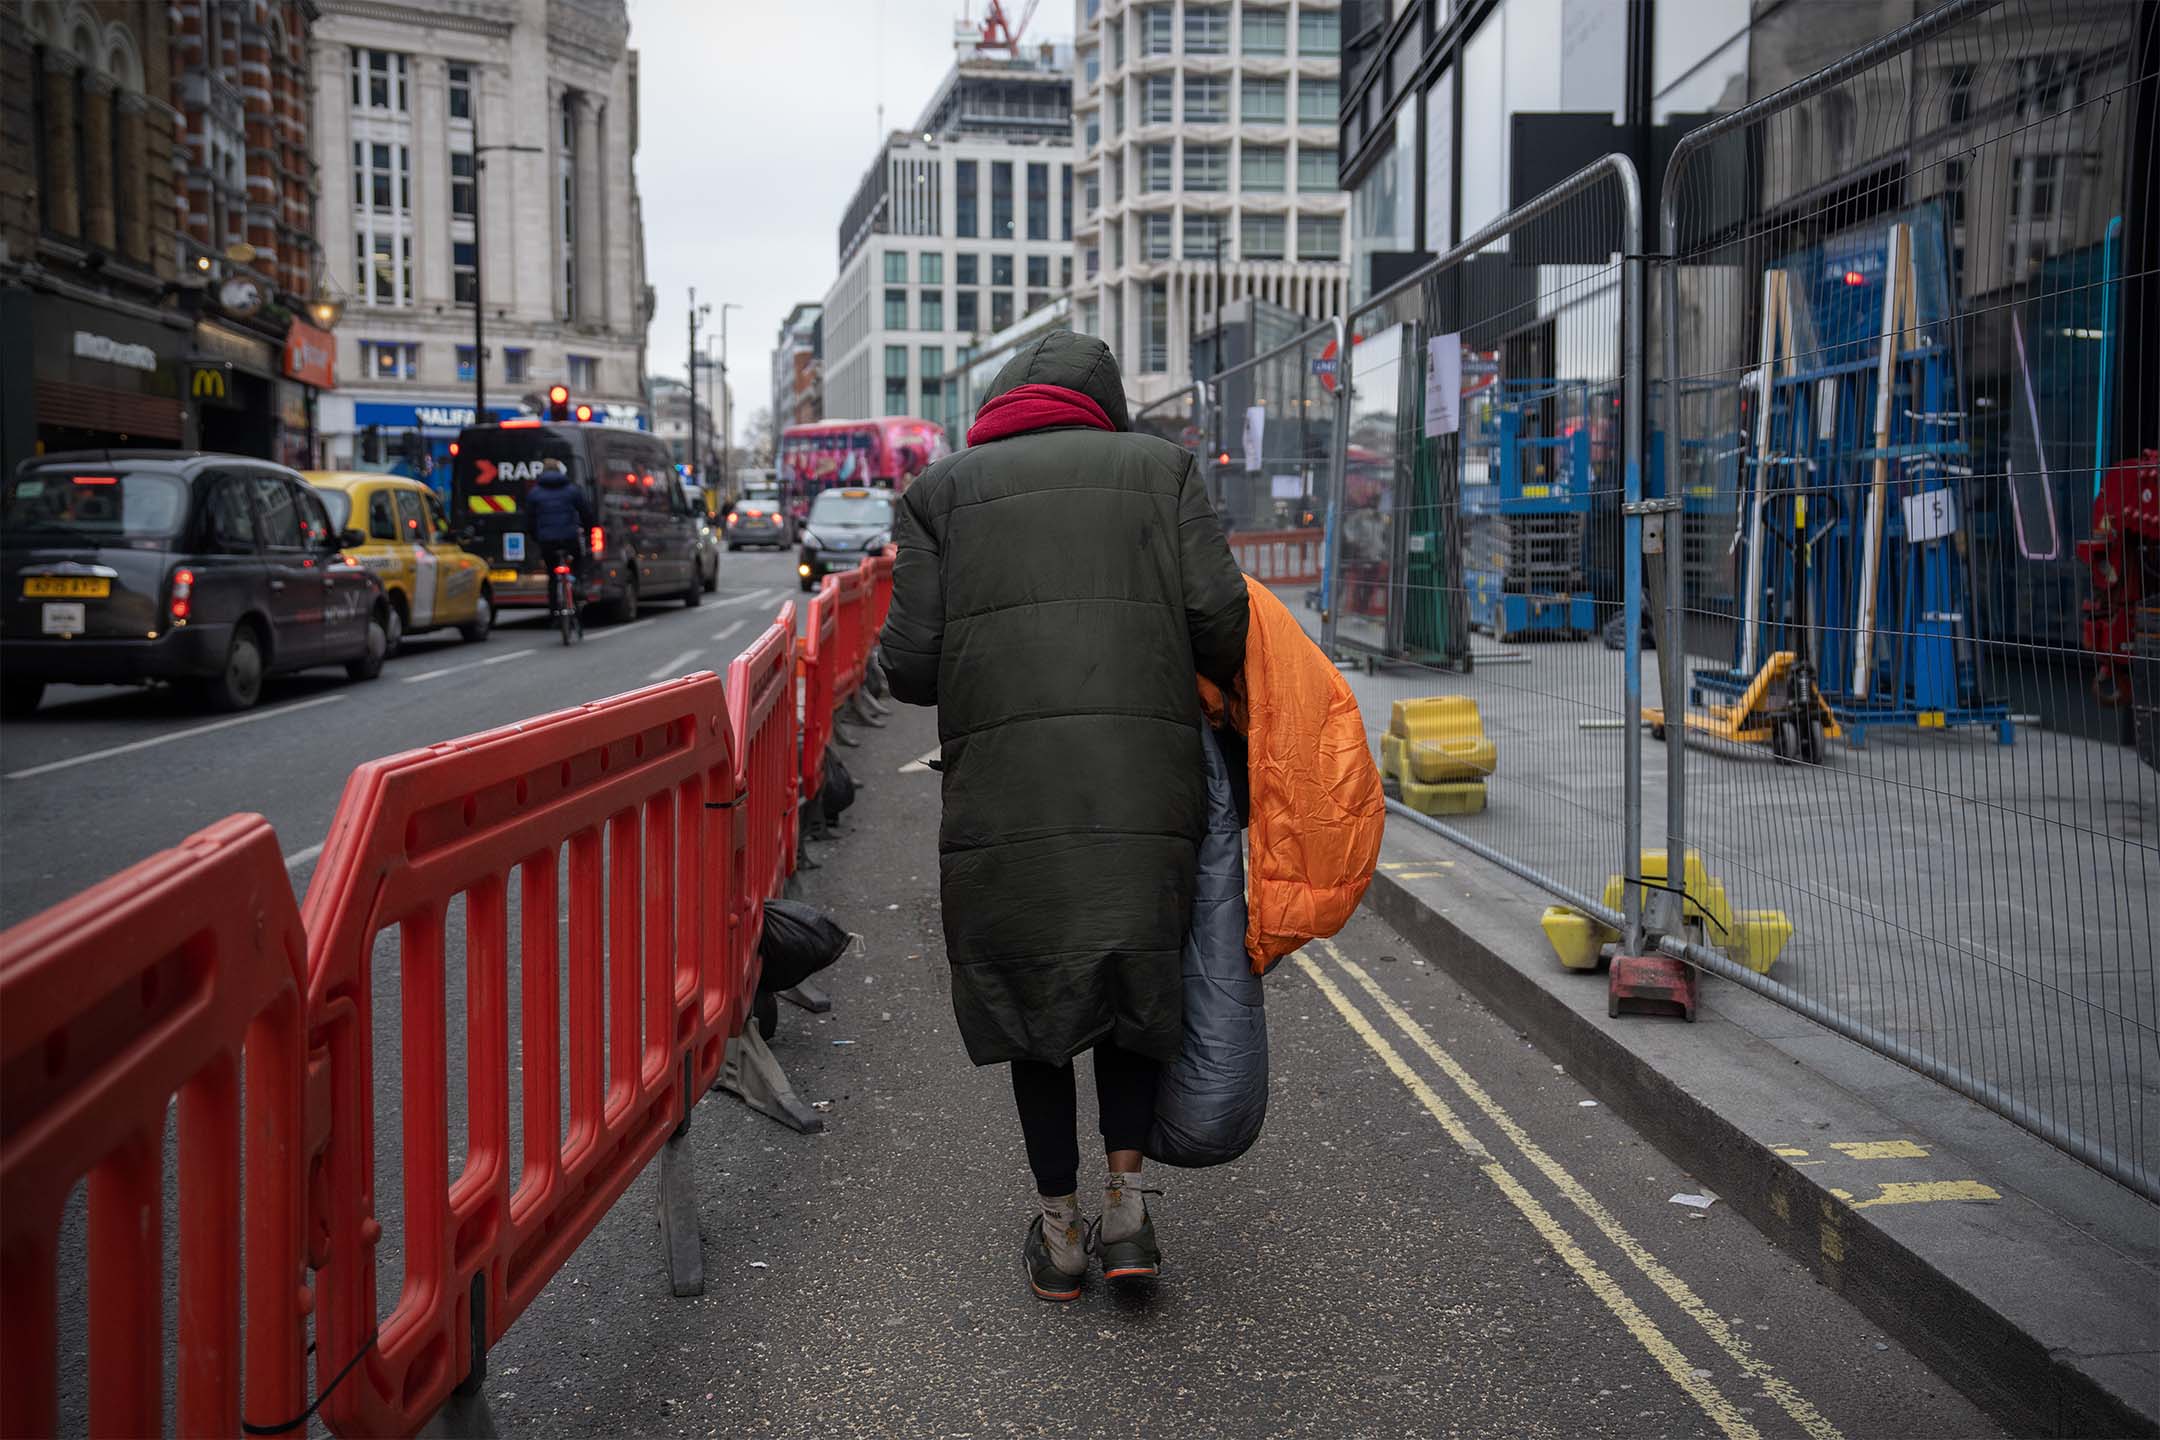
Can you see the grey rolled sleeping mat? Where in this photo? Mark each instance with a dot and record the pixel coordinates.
(1213, 1098)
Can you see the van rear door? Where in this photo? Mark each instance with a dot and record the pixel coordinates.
(494, 469)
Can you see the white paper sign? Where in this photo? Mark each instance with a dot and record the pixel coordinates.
(1443, 385)
(1930, 515)
(1255, 428)
(1286, 487)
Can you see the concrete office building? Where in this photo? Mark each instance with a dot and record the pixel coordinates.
(1203, 123)
(963, 223)
(415, 215)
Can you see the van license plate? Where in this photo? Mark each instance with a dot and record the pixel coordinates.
(502, 577)
(63, 619)
(91, 587)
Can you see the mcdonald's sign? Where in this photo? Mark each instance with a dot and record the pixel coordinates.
(209, 382)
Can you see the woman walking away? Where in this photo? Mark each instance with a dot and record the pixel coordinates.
(1058, 586)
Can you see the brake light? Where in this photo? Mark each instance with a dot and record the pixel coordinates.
(528, 423)
(599, 540)
(97, 479)
(453, 449)
(733, 517)
(183, 589)
(562, 569)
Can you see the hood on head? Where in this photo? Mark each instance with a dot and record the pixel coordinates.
(1077, 362)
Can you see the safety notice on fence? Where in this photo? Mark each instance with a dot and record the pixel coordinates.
(1443, 385)
(1255, 432)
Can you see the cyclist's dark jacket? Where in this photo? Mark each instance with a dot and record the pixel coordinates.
(557, 511)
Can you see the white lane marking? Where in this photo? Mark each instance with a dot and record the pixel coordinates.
(612, 631)
(468, 665)
(740, 599)
(726, 630)
(921, 763)
(667, 668)
(134, 745)
(301, 857)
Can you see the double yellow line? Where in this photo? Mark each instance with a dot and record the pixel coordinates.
(1595, 1278)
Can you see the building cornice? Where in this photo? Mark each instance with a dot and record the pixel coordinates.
(491, 18)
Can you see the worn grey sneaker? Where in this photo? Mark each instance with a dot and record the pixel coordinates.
(1044, 1277)
(1124, 1238)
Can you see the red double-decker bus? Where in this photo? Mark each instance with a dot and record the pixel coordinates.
(826, 453)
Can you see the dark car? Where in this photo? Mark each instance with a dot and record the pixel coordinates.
(759, 518)
(645, 545)
(841, 528)
(208, 570)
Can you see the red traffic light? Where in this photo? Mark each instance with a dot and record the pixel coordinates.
(584, 413)
(558, 402)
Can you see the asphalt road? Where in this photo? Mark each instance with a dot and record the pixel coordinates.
(1440, 1232)
(100, 777)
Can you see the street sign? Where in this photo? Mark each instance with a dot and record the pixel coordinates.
(1323, 366)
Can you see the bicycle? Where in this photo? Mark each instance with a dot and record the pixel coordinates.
(562, 602)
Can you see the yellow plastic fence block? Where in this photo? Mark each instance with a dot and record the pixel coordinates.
(1705, 894)
(1443, 738)
(1391, 755)
(1575, 937)
(1759, 937)
(1449, 797)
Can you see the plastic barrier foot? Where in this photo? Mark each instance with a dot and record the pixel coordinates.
(679, 1234)
(752, 1075)
(809, 997)
(462, 1417)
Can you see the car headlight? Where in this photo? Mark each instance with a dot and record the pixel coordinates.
(810, 540)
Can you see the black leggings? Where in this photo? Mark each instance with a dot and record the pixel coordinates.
(1124, 1091)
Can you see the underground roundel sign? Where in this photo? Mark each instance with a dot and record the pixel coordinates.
(1324, 366)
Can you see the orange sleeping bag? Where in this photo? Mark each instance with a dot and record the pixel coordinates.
(1317, 810)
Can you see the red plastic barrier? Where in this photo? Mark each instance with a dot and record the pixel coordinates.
(814, 667)
(1280, 557)
(850, 588)
(881, 591)
(180, 976)
(639, 791)
(761, 713)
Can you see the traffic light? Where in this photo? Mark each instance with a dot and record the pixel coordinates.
(558, 402)
(584, 414)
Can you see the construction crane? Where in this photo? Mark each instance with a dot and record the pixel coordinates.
(998, 35)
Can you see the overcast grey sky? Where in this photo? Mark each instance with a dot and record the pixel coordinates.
(758, 119)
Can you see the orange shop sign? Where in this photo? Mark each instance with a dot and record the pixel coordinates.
(311, 355)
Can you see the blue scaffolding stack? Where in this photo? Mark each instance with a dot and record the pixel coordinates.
(1526, 511)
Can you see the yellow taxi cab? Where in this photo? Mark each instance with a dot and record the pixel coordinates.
(432, 581)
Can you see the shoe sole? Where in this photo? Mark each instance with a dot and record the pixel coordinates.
(1133, 1272)
(1055, 1296)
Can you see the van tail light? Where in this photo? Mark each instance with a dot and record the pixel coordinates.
(183, 591)
(599, 540)
(562, 569)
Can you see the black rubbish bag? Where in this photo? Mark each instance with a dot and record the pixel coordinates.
(798, 941)
(839, 791)
(1212, 1099)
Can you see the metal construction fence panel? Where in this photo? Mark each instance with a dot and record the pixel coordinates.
(170, 991)
(581, 865)
(1479, 540)
(1918, 595)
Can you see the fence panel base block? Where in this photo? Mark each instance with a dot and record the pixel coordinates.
(1651, 985)
(809, 997)
(753, 1076)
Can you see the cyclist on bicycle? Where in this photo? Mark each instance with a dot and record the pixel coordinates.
(558, 516)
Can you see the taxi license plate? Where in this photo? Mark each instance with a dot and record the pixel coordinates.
(68, 587)
(503, 577)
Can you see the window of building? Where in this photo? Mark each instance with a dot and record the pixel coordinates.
(1001, 199)
(1207, 99)
(1113, 170)
(1319, 237)
(1155, 31)
(1317, 100)
(1001, 270)
(465, 362)
(930, 267)
(1158, 99)
(1094, 131)
(930, 310)
(966, 315)
(896, 309)
(1117, 246)
(1155, 236)
(1114, 107)
(517, 364)
(461, 183)
(1155, 171)
(1207, 167)
(1261, 167)
(896, 380)
(1207, 30)
(964, 198)
(1265, 101)
(1117, 45)
(1155, 329)
(1036, 299)
(584, 372)
(461, 92)
(1038, 271)
(1093, 258)
(1091, 195)
(1319, 32)
(932, 362)
(1001, 309)
(896, 267)
(1065, 271)
(966, 266)
(1065, 197)
(1038, 202)
(379, 80)
(1091, 69)
(1201, 233)
(1315, 168)
(1440, 162)
(1260, 237)
(389, 360)
(382, 266)
(465, 271)
(1266, 32)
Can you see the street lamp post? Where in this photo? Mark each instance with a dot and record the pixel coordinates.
(479, 260)
(690, 380)
(727, 406)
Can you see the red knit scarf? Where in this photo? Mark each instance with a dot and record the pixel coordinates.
(1034, 407)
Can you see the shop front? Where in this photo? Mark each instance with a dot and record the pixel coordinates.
(102, 378)
(231, 378)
